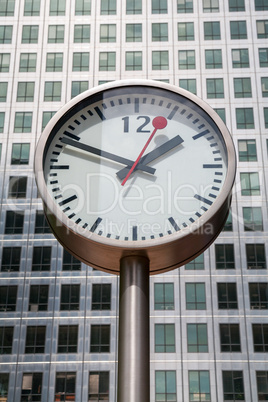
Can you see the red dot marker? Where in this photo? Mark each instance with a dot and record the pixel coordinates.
(158, 122)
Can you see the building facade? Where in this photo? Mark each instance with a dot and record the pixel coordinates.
(59, 317)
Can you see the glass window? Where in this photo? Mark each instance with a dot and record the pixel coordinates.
(233, 386)
(159, 32)
(264, 87)
(23, 122)
(230, 338)
(185, 6)
(261, 5)
(215, 88)
(210, 6)
(227, 295)
(247, 150)
(70, 263)
(242, 88)
(82, 7)
(262, 385)
(160, 60)
(6, 33)
(108, 33)
(4, 62)
(196, 264)
(224, 256)
(70, 296)
(244, 118)
(262, 29)
(165, 386)
(52, 91)
(185, 31)
(82, 33)
(30, 34)
(133, 32)
(46, 117)
(107, 61)
(263, 57)
(199, 386)
(38, 300)
(133, 61)
(195, 296)
(238, 29)
(67, 339)
(108, 7)
(236, 5)
(31, 388)
(65, 386)
(41, 225)
(265, 114)
(2, 121)
(189, 84)
(159, 6)
(252, 219)
(80, 61)
(134, 7)
(212, 30)
(100, 339)
(240, 58)
(57, 7)
(35, 339)
(8, 298)
(3, 91)
(260, 337)
(164, 296)
(258, 293)
(221, 113)
(54, 62)
(6, 341)
(14, 222)
(250, 184)
(78, 87)
(186, 59)
(228, 226)
(31, 7)
(20, 154)
(27, 62)
(25, 92)
(213, 58)
(11, 259)
(164, 338)
(256, 256)
(101, 296)
(197, 338)
(4, 377)
(17, 187)
(98, 387)
(55, 34)
(41, 258)
(7, 8)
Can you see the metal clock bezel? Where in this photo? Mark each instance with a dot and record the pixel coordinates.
(165, 253)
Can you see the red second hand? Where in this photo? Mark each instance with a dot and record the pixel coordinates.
(158, 123)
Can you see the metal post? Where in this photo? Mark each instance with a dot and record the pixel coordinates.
(133, 343)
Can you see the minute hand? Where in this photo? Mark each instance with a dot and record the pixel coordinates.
(105, 154)
(151, 156)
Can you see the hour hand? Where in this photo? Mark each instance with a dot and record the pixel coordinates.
(105, 154)
(151, 156)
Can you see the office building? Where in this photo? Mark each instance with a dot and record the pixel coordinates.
(59, 317)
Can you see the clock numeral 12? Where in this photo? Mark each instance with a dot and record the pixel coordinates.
(140, 129)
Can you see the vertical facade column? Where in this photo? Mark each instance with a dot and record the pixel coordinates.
(133, 346)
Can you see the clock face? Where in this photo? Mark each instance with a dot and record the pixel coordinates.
(134, 163)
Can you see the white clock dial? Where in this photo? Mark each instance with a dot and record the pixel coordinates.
(132, 165)
(88, 180)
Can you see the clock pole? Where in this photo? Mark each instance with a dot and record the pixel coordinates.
(133, 343)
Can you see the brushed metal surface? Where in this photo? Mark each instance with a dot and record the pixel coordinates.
(133, 344)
